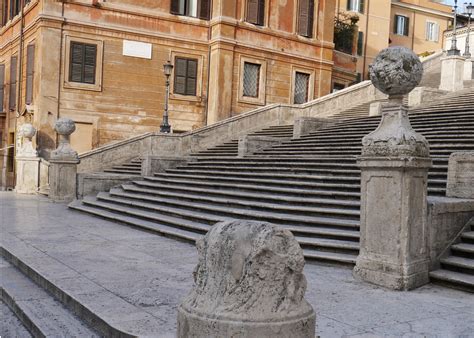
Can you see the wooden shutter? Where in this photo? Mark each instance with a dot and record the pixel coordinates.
(252, 11)
(191, 77)
(76, 61)
(13, 81)
(2, 86)
(305, 18)
(407, 25)
(180, 76)
(30, 69)
(261, 12)
(90, 58)
(395, 24)
(205, 9)
(175, 7)
(361, 6)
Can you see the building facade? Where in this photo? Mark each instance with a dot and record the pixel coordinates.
(415, 24)
(101, 64)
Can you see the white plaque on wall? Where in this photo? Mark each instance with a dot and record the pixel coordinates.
(137, 49)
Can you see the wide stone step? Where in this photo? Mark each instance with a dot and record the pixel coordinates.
(202, 210)
(330, 257)
(453, 279)
(174, 199)
(463, 249)
(268, 170)
(41, 314)
(459, 264)
(333, 244)
(468, 237)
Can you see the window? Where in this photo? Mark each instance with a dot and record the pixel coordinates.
(355, 6)
(30, 71)
(195, 8)
(82, 62)
(301, 88)
(185, 76)
(256, 12)
(337, 87)
(432, 31)
(14, 8)
(13, 81)
(251, 79)
(2, 87)
(401, 25)
(305, 18)
(360, 43)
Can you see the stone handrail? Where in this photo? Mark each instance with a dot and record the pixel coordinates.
(432, 60)
(183, 144)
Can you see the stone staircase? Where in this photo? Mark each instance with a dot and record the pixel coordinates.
(310, 185)
(457, 270)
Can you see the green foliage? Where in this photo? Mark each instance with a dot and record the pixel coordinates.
(345, 29)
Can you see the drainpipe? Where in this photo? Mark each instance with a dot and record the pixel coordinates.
(209, 35)
(20, 54)
(60, 63)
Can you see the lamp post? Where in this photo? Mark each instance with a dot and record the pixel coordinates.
(469, 11)
(167, 69)
(454, 50)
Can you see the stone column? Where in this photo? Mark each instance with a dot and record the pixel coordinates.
(452, 73)
(27, 162)
(394, 170)
(63, 164)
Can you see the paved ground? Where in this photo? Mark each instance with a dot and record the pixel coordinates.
(154, 273)
(10, 325)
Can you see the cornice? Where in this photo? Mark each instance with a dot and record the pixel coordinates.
(422, 9)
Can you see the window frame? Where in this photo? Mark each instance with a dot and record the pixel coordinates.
(67, 83)
(359, 4)
(185, 11)
(310, 72)
(405, 27)
(427, 34)
(261, 18)
(199, 77)
(260, 99)
(310, 21)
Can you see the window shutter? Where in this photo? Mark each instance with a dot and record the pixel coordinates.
(13, 67)
(180, 76)
(205, 9)
(361, 6)
(252, 11)
(303, 17)
(175, 7)
(310, 19)
(261, 12)
(2, 86)
(407, 25)
(191, 78)
(90, 58)
(436, 32)
(76, 61)
(30, 69)
(360, 43)
(395, 24)
(349, 5)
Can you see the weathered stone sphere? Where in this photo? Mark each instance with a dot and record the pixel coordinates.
(27, 130)
(65, 126)
(396, 71)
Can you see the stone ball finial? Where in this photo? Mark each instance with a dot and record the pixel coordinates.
(396, 71)
(249, 282)
(27, 131)
(65, 126)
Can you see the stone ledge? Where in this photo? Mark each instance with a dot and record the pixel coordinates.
(89, 184)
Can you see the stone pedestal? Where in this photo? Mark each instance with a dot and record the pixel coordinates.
(461, 175)
(27, 174)
(63, 164)
(421, 95)
(250, 144)
(468, 69)
(452, 73)
(62, 179)
(249, 282)
(305, 125)
(375, 109)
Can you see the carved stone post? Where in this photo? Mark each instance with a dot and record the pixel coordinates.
(63, 164)
(249, 282)
(27, 162)
(394, 170)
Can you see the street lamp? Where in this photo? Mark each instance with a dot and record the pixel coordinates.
(454, 50)
(469, 12)
(167, 69)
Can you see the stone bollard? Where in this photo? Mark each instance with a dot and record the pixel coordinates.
(63, 164)
(394, 174)
(249, 282)
(27, 162)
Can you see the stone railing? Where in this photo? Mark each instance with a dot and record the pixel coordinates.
(157, 144)
(432, 61)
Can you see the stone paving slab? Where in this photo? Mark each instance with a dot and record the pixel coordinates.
(10, 325)
(151, 274)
